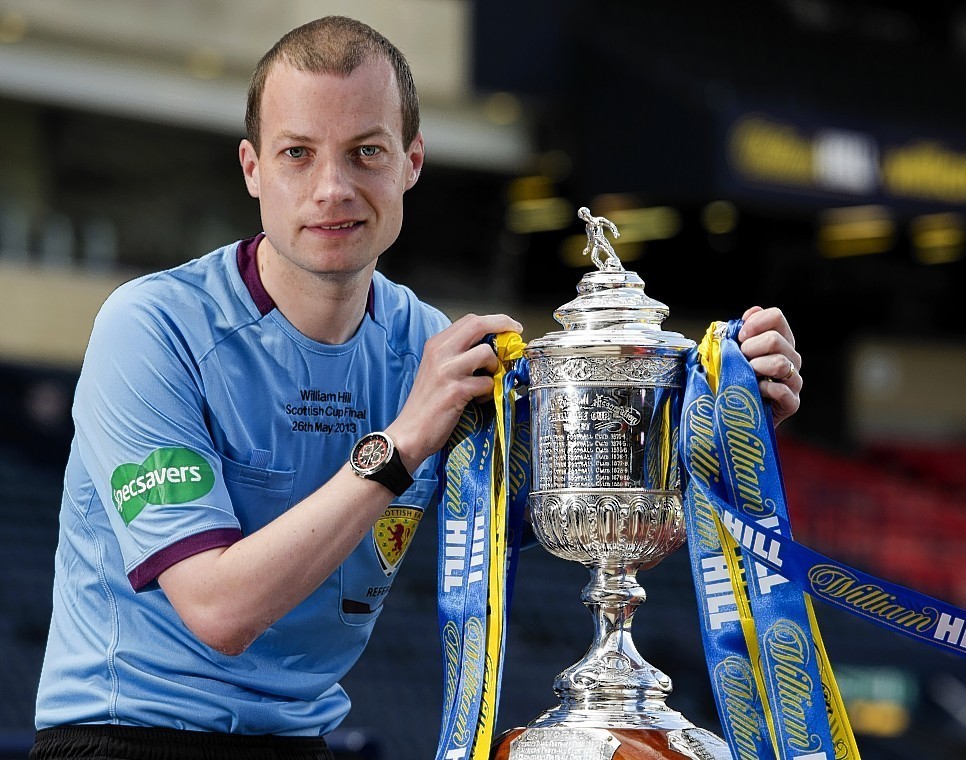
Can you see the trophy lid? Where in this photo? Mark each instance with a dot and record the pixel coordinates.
(611, 308)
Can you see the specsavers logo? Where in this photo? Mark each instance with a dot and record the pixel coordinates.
(168, 476)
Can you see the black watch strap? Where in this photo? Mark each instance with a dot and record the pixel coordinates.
(375, 457)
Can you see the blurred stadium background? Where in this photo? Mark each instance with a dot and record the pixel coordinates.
(805, 153)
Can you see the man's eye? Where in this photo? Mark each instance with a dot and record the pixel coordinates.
(295, 152)
(368, 151)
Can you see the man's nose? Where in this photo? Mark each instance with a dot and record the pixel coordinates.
(333, 182)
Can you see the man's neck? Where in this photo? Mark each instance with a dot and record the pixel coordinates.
(326, 308)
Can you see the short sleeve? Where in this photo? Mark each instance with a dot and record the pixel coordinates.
(141, 431)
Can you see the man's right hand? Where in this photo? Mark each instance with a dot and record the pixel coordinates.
(449, 377)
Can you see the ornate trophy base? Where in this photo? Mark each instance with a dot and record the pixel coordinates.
(635, 730)
(572, 743)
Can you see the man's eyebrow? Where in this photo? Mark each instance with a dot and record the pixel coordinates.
(294, 137)
(374, 132)
(369, 133)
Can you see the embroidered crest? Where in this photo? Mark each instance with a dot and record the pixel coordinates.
(392, 535)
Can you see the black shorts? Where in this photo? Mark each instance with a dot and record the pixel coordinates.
(109, 742)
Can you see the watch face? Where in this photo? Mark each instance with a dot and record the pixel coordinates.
(371, 452)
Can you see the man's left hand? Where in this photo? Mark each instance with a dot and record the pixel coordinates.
(769, 345)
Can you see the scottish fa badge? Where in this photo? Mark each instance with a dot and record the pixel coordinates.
(392, 535)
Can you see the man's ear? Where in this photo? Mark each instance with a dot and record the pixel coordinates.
(248, 158)
(416, 155)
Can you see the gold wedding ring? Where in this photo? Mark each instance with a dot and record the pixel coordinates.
(791, 371)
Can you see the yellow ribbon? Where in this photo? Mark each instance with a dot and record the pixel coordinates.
(710, 351)
(509, 347)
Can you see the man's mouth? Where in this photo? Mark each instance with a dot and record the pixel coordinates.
(340, 226)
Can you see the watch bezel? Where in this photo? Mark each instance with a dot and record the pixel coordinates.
(389, 449)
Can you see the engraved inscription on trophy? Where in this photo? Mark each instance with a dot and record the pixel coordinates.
(698, 744)
(589, 437)
(557, 743)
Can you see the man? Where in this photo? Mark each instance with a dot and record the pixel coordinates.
(216, 574)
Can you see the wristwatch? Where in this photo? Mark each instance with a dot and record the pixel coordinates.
(375, 457)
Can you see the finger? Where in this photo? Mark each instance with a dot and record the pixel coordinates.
(770, 354)
(481, 359)
(748, 312)
(776, 367)
(472, 328)
(758, 321)
(480, 387)
(783, 398)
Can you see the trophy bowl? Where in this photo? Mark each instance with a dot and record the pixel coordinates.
(630, 530)
(605, 491)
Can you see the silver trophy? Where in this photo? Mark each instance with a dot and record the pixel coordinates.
(604, 401)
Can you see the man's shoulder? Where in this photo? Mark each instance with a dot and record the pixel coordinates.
(179, 290)
(196, 296)
(402, 313)
(187, 280)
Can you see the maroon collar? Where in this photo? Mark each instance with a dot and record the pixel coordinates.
(248, 269)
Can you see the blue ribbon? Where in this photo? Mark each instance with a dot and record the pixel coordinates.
(900, 609)
(464, 555)
(890, 605)
(517, 468)
(743, 432)
(729, 452)
(732, 677)
(463, 577)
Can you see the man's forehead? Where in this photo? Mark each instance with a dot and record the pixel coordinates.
(368, 92)
(372, 84)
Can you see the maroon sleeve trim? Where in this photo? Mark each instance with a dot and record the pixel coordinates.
(157, 563)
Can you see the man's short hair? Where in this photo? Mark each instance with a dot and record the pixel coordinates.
(333, 45)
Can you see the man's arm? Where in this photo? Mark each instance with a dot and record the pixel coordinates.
(229, 596)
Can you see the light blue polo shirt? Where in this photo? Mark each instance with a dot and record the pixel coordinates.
(202, 414)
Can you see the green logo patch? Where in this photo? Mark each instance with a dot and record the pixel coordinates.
(168, 476)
